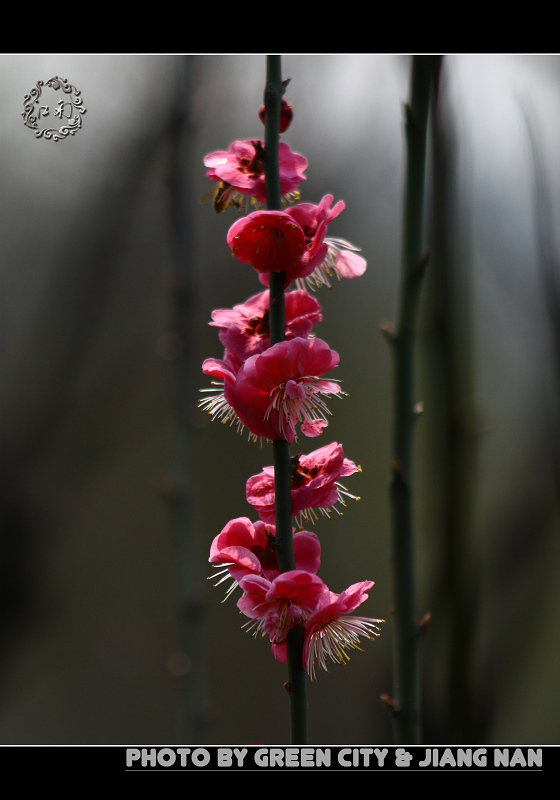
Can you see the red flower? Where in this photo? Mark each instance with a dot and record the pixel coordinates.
(277, 606)
(244, 329)
(240, 168)
(244, 548)
(277, 389)
(272, 392)
(329, 630)
(323, 256)
(271, 241)
(314, 484)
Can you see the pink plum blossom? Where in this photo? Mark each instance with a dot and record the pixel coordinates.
(314, 221)
(277, 606)
(271, 392)
(240, 168)
(315, 484)
(243, 548)
(244, 329)
(275, 390)
(324, 256)
(329, 632)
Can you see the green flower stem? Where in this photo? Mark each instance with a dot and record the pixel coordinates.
(406, 700)
(282, 465)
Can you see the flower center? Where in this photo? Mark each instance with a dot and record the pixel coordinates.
(301, 475)
(300, 401)
(282, 619)
(253, 167)
(266, 555)
(259, 326)
(309, 233)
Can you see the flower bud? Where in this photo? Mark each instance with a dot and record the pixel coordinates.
(286, 116)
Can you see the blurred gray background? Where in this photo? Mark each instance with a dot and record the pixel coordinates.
(113, 484)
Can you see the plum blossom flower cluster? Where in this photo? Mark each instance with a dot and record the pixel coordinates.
(280, 391)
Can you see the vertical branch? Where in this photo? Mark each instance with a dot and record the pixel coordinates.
(549, 263)
(458, 582)
(282, 466)
(406, 701)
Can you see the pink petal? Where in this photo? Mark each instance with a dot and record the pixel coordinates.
(313, 429)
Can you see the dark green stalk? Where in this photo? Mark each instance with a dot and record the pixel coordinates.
(282, 465)
(458, 584)
(406, 700)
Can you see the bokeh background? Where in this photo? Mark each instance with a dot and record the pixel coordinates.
(113, 484)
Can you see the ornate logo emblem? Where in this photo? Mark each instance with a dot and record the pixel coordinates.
(69, 107)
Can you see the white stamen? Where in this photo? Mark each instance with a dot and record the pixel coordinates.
(321, 274)
(332, 640)
(224, 572)
(219, 409)
(301, 404)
